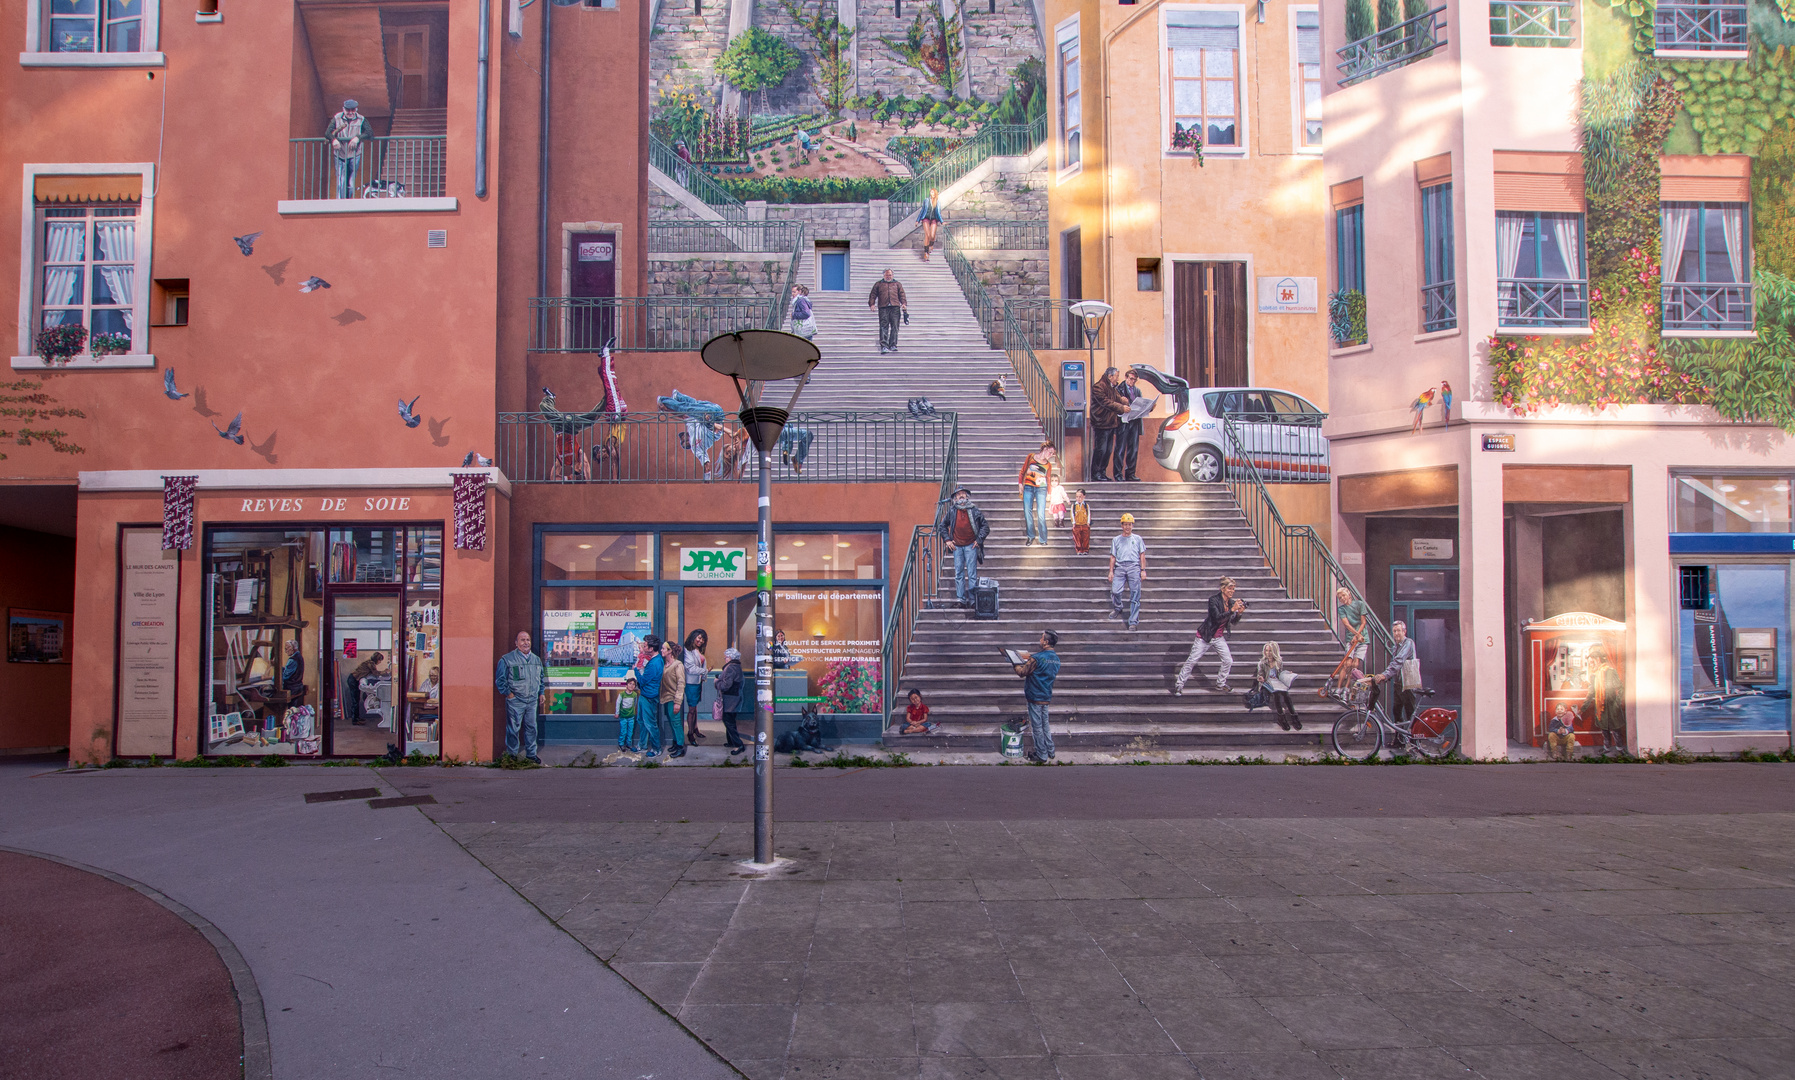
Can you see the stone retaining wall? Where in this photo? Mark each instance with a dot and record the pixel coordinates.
(683, 51)
(996, 43)
(673, 275)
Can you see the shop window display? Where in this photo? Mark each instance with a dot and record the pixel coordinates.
(589, 638)
(1734, 651)
(585, 557)
(324, 641)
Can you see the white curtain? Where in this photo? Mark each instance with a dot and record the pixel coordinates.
(1732, 224)
(116, 240)
(118, 283)
(59, 289)
(1567, 229)
(63, 241)
(1676, 233)
(1508, 243)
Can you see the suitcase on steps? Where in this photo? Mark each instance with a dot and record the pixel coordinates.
(984, 599)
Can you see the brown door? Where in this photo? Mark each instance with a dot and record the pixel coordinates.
(594, 281)
(1072, 288)
(408, 54)
(1209, 322)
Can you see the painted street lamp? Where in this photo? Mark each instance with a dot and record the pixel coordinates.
(752, 359)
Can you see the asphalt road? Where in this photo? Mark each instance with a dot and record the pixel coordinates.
(1074, 793)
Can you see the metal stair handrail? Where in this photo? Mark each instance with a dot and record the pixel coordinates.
(1296, 553)
(916, 585)
(992, 140)
(1043, 396)
(695, 180)
(783, 302)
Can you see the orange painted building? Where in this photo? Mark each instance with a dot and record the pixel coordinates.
(232, 241)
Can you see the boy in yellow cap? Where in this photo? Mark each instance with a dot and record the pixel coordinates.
(1127, 566)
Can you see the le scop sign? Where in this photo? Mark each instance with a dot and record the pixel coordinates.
(713, 564)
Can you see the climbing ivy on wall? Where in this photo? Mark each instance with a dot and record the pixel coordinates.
(1732, 107)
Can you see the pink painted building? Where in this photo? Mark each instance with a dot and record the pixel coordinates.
(1474, 242)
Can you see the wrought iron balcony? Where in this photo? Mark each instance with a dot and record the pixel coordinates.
(1542, 302)
(888, 446)
(1393, 47)
(1704, 26)
(1439, 306)
(1690, 305)
(1535, 23)
(413, 166)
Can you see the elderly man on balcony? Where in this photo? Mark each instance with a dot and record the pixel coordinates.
(347, 132)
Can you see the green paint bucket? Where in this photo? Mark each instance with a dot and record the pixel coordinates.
(1009, 740)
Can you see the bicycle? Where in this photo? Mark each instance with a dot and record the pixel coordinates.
(1363, 728)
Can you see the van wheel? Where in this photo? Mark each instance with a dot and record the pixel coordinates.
(1202, 465)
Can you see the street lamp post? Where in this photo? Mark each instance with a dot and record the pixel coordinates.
(753, 358)
(1092, 312)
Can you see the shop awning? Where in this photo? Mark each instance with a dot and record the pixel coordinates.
(89, 189)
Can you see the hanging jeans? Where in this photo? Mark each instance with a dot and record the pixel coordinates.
(1034, 512)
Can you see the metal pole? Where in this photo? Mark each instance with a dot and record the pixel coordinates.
(763, 669)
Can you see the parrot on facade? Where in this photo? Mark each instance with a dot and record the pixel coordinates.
(1445, 403)
(1419, 407)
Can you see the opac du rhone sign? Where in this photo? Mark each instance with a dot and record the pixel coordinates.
(713, 564)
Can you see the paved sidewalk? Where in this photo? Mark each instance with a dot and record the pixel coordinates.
(381, 949)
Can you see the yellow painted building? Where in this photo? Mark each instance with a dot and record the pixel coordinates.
(1214, 259)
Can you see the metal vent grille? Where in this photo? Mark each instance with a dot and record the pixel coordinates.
(436, 238)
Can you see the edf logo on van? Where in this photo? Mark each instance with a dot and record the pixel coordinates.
(713, 564)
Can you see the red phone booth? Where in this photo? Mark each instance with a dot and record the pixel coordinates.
(1557, 655)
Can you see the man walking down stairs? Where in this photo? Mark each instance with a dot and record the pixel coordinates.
(1114, 692)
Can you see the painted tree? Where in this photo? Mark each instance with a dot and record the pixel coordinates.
(757, 61)
(833, 40)
(25, 402)
(1360, 23)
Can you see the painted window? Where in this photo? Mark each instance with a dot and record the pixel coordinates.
(1204, 64)
(85, 26)
(1706, 242)
(87, 266)
(1071, 99)
(1743, 503)
(1349, 248)
(1439, 302)
(1539, 269)
(1308, 76)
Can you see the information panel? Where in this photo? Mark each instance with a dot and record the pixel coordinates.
(147, 631)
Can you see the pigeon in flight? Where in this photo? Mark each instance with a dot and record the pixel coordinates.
(247, 244)
(473, 458)
(437, 438)
(168, 385)
(313, 283)
(234, 432)
(411, 419)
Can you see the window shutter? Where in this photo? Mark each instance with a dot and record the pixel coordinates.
(1704, 178)
(1308, 45)
(1203, 30)
(1542, 181)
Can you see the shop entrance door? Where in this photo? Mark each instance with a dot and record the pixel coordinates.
(593, 313)
(364, 712)
(1426, 599)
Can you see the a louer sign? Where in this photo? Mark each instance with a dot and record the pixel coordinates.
(713, 564)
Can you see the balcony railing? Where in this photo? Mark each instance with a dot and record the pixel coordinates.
(1685, 26)
(674, 237)
(1439, 306)
(1406, 42)
(1542, 302)
(888, 446)
(644, 323)
(997, 318)
(415, 166)
(998, 234)
(1537, 23)
(694, 180)
(1690, 305)
(1047, 323)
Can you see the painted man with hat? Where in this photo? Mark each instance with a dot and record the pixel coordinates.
(1127, 565)
(347, 132)
(963, 527)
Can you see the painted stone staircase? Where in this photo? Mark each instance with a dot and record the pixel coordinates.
(1113, 689)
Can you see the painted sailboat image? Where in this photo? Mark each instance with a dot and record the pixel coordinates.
(1714, 661)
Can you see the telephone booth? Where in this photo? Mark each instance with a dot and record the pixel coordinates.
(1557, 656)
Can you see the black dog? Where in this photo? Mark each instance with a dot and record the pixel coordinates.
(808, 738)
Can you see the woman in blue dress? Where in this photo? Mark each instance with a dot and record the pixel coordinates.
(930, 216)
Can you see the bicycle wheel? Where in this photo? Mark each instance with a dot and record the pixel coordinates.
(1432, 739)
(1357, 735)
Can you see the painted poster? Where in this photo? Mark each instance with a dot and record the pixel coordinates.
(1735, 654)
(37, 637)
(148, 610)
(620, 635)
(568, 643)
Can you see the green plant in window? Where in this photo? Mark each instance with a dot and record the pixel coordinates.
(1346, 317)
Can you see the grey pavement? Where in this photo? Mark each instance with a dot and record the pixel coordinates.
(381, 948)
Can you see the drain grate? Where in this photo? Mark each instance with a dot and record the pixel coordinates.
(342, 796)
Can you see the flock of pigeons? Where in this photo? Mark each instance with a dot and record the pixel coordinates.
(233, 432)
